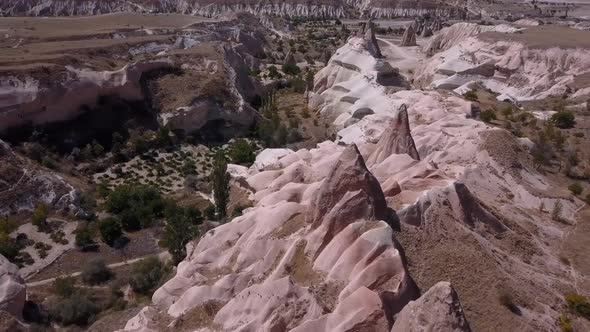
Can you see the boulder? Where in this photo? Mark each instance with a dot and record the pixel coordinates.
(438, 309)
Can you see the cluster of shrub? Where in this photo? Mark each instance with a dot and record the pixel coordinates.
(135, 207)
(71, 304)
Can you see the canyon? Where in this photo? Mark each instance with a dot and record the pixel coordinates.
(419, 193)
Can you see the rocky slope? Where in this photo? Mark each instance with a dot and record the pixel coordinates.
(291, 8)
(323, 248)
(12, 289)
(519, 64)
(24, 184)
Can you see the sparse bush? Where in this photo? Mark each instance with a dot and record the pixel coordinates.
(273, 73)
(564, 119)
(238, 210)
(110, 230)
(147, 275)
(76, 309)
(578, 304)
(565, 324)
(487, 116)
(507, 301)
(471, 95)
(64, 287)
(291, 69)
(96, 272)
(576, 188)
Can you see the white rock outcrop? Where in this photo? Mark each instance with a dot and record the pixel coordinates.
(12, 288)
(512, 69)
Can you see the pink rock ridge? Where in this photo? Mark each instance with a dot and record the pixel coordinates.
(316, 253)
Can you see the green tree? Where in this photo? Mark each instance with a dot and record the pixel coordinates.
(564, 119)
(97, 149)
(147, 275)
(242, 152)
(576, 188)
(273, 72)
(86, 153)
(291, 69)
(96, 272)
(110, 230)
(40, 217)
(181, 227)
(77, 309)
(85, 239)
(220, 180)
(64, 287)
(487, 116)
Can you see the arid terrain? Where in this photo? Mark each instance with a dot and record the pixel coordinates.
(259, 166)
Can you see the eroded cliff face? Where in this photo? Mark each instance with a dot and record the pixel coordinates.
(324, 240)
(198, 76)
(291, 8)
(512, 62)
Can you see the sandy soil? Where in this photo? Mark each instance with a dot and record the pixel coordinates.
(544, 37)
(53, 27)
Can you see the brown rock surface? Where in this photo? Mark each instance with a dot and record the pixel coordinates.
(438, 309)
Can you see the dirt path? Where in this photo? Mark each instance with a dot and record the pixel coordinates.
(75, 274)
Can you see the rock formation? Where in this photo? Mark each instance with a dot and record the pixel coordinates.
(396, 139)
(438, 309)
(322, 248)
(210, 8)
(290, 58)
(12, 288)
(409, 36)
(372, 45)
(24, 185)
(510, 65)
(315, 264)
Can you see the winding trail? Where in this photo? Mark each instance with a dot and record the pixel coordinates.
(75, 274)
